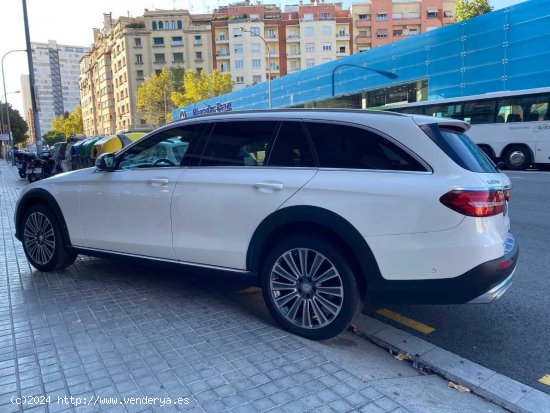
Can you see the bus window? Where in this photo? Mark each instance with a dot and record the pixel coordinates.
(479, 111)
(510, 110)
(535, 108)
(445, 111)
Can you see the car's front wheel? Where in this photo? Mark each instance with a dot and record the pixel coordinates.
(42, 240)
(309, 287)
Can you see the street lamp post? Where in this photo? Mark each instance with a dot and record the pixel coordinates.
(10, 143)
(242, 29)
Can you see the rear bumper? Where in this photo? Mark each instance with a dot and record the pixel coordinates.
(481, 284)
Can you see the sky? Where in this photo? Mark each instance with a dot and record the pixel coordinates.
(70, 22)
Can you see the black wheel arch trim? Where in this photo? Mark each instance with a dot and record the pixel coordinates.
(323, 219)
(41, 195)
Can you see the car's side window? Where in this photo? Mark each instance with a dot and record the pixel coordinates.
(349, 147)
(238, 143)
(169, 148)
(291, 147)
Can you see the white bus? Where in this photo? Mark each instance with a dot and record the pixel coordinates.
(513, 127)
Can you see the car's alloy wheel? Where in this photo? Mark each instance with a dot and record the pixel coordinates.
(309, 287)
(42, 240)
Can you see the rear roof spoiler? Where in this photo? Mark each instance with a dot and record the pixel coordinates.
(455, 124)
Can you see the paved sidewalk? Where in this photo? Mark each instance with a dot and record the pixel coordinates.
(102, 330)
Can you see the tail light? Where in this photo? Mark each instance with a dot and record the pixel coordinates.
(472, 203)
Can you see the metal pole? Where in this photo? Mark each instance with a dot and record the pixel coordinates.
(268, 62)
(10, 140)
(37, 135)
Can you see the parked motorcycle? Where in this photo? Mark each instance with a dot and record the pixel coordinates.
(41, 166)
(22, 162)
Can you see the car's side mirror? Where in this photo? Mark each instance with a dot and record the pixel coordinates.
(105, 162)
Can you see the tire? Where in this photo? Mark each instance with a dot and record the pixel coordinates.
(517, 158)
(293, 295)
(43, 241)
(22, 174)
(31, 178)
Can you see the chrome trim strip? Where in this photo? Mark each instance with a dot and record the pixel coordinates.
(495, 293)
(192, 264)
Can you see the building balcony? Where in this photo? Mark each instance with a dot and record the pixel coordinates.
(273, 54)
(221, 56)
(271, 39)
(293, 55)
(343, 36)
(362, 23)
(275, 69)
(220, 41)
(293, 39)
(407, 21)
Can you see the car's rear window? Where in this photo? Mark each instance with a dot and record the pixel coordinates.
(460, 148)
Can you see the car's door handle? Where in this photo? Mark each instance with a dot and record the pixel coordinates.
(158, 181)
(273, 185)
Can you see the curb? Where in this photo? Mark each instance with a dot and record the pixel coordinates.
(501, 390)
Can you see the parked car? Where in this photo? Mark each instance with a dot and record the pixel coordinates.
(324, 209)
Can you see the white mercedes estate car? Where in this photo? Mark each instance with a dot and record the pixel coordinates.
(324, 209)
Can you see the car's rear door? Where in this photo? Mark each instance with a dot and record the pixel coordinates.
(248, 169)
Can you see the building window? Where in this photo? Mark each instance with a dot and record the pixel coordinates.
(431, 14)
(342, 32)
(310, 47)
(448, 13)
(256, 79)
(177, 41)
(413, 32)
(256, 63)
(238, 48)
(178, 58)
(238, 64)
(158, 72)
(381, 33)
(158, 41)
(255, 31)
(237, 32)
(310, 62)
(159, 58)
(222, 36)
(198, 56)
(161, 26)
(342, 49)
(137, 42)
(255, 48)
(327, 31)
(140, 75)
(173, 25)
(308, 17)
(398, 33)
(364, 17)
(223, 67)
(239, 79)
(309, 31)
(180, 24)
(272, 34)
(139, 59)
(327, 47)
(382, 17)
(198, 40)
(154, 25)
(325, 16)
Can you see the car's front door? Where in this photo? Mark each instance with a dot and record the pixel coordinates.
(248, 169)
(128, 210)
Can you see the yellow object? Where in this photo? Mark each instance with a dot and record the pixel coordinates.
(409, 322)
(107, 145)
(545, 379)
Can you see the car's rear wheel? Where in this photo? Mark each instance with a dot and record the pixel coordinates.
(42, 240)
(309, 287)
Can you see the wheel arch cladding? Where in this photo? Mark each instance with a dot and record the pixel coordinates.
(310, 219)
(40, 196)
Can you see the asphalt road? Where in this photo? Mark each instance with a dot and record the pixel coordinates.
(510, 335)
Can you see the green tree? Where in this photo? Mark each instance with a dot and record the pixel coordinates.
(52, 137)
(69, 124)
(153, 97)
(466, 9)
(201, 86)
(19, 127)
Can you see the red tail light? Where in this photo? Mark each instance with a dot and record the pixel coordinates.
(472, 203)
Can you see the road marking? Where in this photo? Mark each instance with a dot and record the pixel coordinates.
(545, 379)
(409, 322)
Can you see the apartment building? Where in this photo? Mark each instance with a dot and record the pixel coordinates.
(129, 50)
(255, 41)
(56, 71)
(379, 22)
